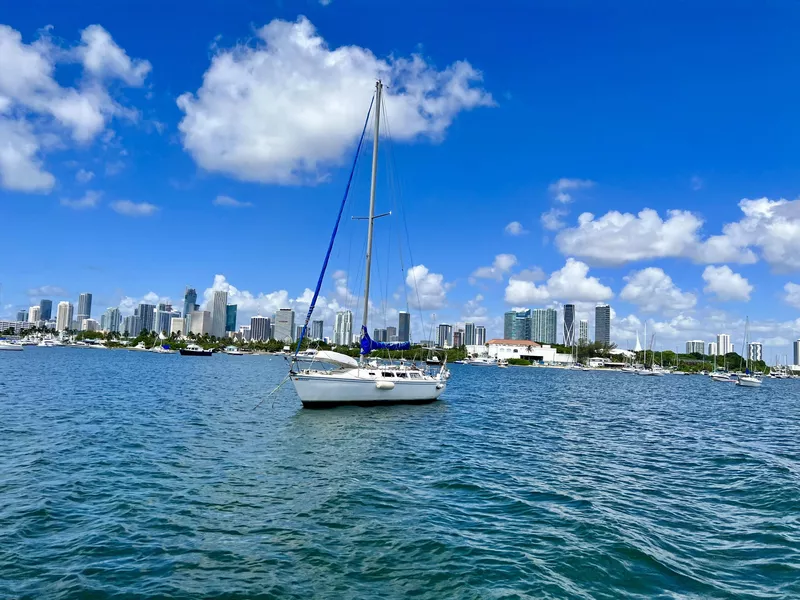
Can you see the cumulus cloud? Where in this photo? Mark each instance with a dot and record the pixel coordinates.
(427, 290)
(653, 290)
(561, 189)
(253, 122)
(36, 110)
(570, 283)
(501, 265)
(697, 183)
(134, 209)
(230, 202)
(84, 176)
(128, 304)
(792, 294)
(725, 284)
(552, 220)
(515, 228)
(89, 200)
(47, 291)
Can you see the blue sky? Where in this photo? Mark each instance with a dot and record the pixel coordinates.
(125, 122)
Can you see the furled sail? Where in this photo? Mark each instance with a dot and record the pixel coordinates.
(368, 344)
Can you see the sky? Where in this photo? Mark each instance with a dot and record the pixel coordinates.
(536, 153)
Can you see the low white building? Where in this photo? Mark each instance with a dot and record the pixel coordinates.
(525, 349)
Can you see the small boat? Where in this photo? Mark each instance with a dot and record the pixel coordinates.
(140, 347)
(748, 381)
(233, 351)
(433, 360)
(482, 362)
(502, 363)
(721, 377)
(11, 346)
(163, 349)
(650, 372)
(194, 350)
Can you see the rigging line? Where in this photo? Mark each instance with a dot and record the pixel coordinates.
(285, 379)
(335, 229)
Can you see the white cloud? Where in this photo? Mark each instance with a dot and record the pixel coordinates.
(35, 110)
(552, 219)
(618, 238)
(325, 2)
(792, 296)
(134, 209)
(654, 291)
(697, 183)
(230, 202)
(570, 283)
(560, 189)
(89, 200)
(84, 176)
(726, 284)
(46, 291)
(252, 121)
(128, 304)
(427, 290)
(501, 265)
(515, 228)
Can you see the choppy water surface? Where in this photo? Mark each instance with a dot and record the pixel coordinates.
(139, 475)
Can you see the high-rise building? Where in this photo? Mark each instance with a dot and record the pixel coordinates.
(569, 325)
(244, 332)
(219, 310)
(544, 326)
(391, 334)
(695, 347)
(796, 352)
(298, 332)
(723, 344)
(230, 317)
(508, 324)
(131, 326)
(403, 326)
(64, 316)
(755, 351)
(272, 328)
(284, 325)
(444, 335)
(146, 314)
(201, 322)
(260, 329)
(162, 318)
(469, 334)
(583, 331)
(379, 335)
(458, 338)
(111, 319)
(189, 306)
(480, 335)
(22, 315)
(712, 349)
(84, 307)
(34, 314)
(602, 324)
(176, 325)
(89, 325)
(343, 328)
(316, 329)
(46, 309)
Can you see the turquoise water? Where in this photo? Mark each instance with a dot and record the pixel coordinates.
(134, 475)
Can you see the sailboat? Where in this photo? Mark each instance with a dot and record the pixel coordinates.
(366, 382)
(652, 371)
(159, 347)
(748, 379)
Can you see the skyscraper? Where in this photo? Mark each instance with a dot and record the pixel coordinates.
(260, 329)
(34, 314)
(391, 334)
(84, 307)
(201, 322)
(162, 318)
(219, 313)
(146, 314)
(602, 324)
(522, 325)
(480, 335)
(544, 327)
(723, 344)
(284, 325)
(444, 335)
(244, 332)
(111, 319)
(469, 334)
(508, 324)
(695, 347)
(379, 335)
(755, 351)
(176, 325)
(569, 324)
(46, 309)
(189, 306)
(298, 331)
(64, 316)
(22, 315)
(230, 317)
(343, 328)
(131, 326)
(796, 352)
(583, 331)
(316, 329)
(458, 338)
(712, 349)
(403, 326)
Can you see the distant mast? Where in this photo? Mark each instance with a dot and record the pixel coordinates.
(371, 218)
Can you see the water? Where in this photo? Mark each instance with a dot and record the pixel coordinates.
(133, 475)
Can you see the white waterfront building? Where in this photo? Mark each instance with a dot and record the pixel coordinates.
(712, 349)
(525, 349)
(695, 346)
(723, 344)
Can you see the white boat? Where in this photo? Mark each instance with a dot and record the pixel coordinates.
(482, 361)
(8, 345)
(502, 363)
(721, 377)
(233, 351)
(140, 347)
(363, 383)
(747, 379)
(650, 372)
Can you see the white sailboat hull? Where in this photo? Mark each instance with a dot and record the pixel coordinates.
(11, 347)
(350, 388)
(748, 382)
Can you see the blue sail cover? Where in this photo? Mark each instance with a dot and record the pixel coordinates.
(368, 344)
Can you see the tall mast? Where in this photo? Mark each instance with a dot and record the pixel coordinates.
(371, 218)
